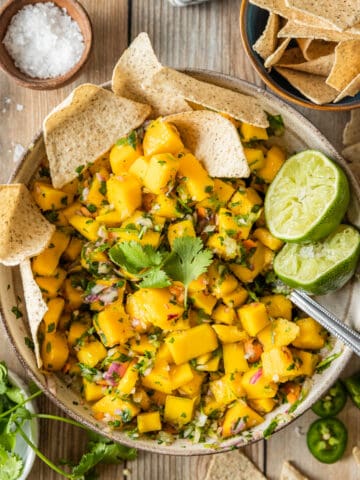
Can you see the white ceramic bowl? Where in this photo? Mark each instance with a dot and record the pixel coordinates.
(300, 134)
(31, 429)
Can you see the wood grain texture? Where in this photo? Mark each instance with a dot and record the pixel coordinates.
(204, 36)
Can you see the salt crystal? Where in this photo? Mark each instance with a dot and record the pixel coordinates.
(18, 152)
(44, 41)
(7, 100)
(19, 107)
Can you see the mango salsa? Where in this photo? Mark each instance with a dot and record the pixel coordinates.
(163, 305)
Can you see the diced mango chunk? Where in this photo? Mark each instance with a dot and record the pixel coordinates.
(50, 285)
(262, 405)
(92, 391)
(239, 417)
(257, 384)
(119, 409)
(124, 192)
(224, 314)
(255, 158)
(161, 173)
(113, 325)
(278, 306)
(192, 343)
(139, 168)
(54, 351)
(88, 227)
(92, 353)
(230, 333)
(227, 388)
(123, 155)
(203, 301)
(49, 198)
(161, 137)
(196, 179)
(159, 377)
(273, 162)
(249, 133)
(280, 332)
(185, 228)
(179, 410)
(253, 317)
(148, 422)
(47, 261)
(236, 298)
(234, 358)
(224, 246)
(180, 375)
(311, 334)
(53, 314)
(223, 190)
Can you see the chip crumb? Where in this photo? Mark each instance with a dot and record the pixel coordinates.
(126, 472)
(19, 107)
(356, 454)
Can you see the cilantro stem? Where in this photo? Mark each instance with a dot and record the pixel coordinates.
(48, 462)
(60, 419)
(34, 395)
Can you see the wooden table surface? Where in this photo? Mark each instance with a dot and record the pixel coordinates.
(204, 36)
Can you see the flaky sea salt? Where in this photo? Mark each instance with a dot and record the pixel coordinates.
(44, 41)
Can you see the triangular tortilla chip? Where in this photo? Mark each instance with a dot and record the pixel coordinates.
(85, 126)
(319, 66)
(280, 8)
(35, 305)
(276, 56)
(292, 56)
(341, 15)
(232, 466)
(242, 107)
(351, 132)
(312, 49)
(289, 472)
(266, 44)
(350, 90)
(346, 65)
(18, 212)
(312, 86)
(297, 30)
(352, 153)
(214, 141)
(135, 68)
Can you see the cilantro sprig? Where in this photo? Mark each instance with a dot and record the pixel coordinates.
(13, 417)
(187, 260)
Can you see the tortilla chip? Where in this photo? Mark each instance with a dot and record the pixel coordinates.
(242, 107)
(266, 44)
(341, 15)
(280, 8)
(350, 90)
(18, 211)
(85, 126)
(312, 86)
(232, 466)
(214, 141)
(289, 472)
(352, 153)
(292, 56)
(346, 65)
(135, 68)
(351, 132)
(35, 305)
(276, 56)
(356, 455)
(312, 49)
(293, 29)
(320, 66)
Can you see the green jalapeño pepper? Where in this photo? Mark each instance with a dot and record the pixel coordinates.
(352, 385)
(332, 402)
(327, 439)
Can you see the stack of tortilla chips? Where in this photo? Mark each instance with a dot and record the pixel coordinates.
(315, 45)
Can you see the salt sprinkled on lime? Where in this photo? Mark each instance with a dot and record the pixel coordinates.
(44, 41)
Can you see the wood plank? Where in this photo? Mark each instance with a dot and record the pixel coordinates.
(18, 127)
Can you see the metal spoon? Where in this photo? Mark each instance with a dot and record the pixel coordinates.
(329, 321)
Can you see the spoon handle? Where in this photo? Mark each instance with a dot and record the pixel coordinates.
(347, 335)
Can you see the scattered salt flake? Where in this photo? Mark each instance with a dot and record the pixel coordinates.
(7, 100)
(18, 152)
(3, 110)
(44, 41)
(19, 107)
(126, 472)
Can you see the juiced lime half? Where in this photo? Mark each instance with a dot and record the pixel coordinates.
(307, 199)
(323, 266)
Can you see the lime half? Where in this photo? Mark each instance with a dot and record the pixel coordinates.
(323, 266)
(307, 199)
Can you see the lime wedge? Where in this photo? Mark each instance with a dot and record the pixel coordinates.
(323, 266)
(307, 199)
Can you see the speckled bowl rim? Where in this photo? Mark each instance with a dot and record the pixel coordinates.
(230, 82)
(274, 86)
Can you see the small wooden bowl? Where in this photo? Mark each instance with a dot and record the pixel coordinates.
(76, 12)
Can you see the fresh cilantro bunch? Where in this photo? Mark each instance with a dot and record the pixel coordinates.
(13, 416)
(187, 260)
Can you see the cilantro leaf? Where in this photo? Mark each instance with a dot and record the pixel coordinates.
(117, 453)
(187, 261)
(89, 459)
(130, 140)
(11, 465)
(134, 257)
(276, 125)
(3, 378)
(155, 278)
